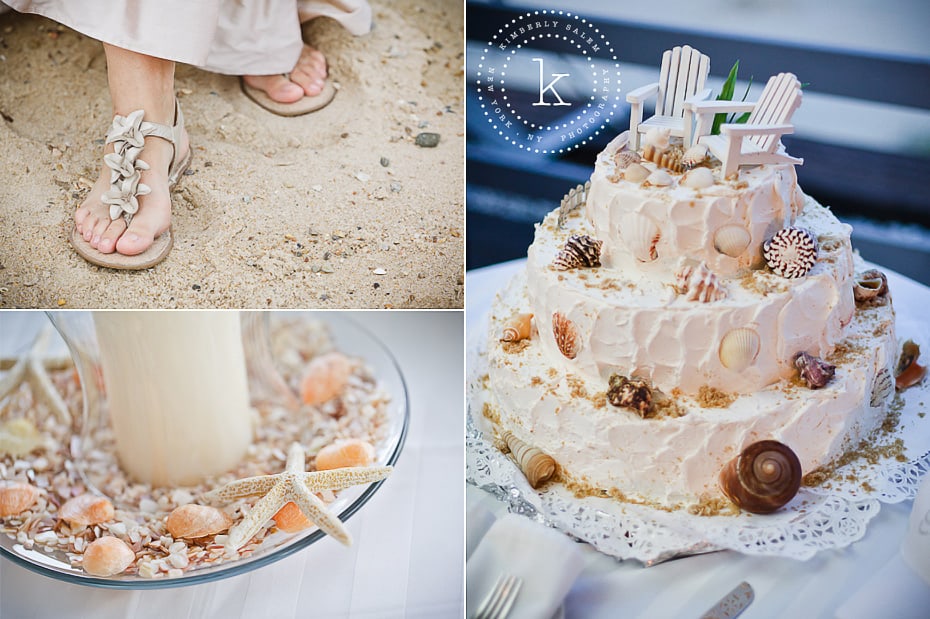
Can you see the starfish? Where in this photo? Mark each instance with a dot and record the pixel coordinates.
(297, 485)
(32, 368)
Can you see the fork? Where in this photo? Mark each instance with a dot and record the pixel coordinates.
(500, 600)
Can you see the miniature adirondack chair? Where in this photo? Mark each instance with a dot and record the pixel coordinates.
(684, 71)
(769, 119)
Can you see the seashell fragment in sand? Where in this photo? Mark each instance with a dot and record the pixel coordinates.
(325, 378)
(791, 252)
(634, 393)
(641, 235)
(882, 388)
(566, 335)
(699, 283)
(659, 178)
(870, 286)
(107, 556)
(192, 521)
(520, 327)
(693, 156)
(343, 453)
(86, 509)
(16, 497)
(732, 240)
(814, 371)
(699, 178)
(636, 173)
(763, 478)
(908, 372)
(536, 465)
(739, 349)
(580, 251)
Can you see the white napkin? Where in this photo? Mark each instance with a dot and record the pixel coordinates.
(546, 560)
(478, 520)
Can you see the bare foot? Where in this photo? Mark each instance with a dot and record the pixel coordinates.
(92, 218)
(306, 78)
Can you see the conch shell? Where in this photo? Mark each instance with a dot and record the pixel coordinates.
(815, 371)
(86, 509)
(580, 251)
(16, 497)
(763, 478)
(192, 521)
(909, 372)
(739, 348)
(520, 327)
(536, 465)
(107, 556)
(566, 335)
(869, 286)
(632, 393)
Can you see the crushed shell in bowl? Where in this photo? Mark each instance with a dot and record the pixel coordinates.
(193, 521)
(18, 437)
(16, 497)
(341, 454)
(86, 509)
(107, 556)
(325, 378)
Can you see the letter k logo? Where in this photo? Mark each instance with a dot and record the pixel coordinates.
(549, 86)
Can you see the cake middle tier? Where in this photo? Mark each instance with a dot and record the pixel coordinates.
(634, 322)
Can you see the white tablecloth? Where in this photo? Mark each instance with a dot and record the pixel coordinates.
(407, 558)
(687, 587)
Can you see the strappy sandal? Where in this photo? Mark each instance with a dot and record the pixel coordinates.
(300, 107)
(128, 134)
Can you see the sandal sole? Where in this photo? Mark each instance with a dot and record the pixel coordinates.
(297, 108)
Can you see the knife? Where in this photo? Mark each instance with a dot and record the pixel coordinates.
(732, 604)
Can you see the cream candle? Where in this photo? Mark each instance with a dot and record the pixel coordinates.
(177, 392)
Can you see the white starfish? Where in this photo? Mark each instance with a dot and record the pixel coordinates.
(31, 368)
(297, 485)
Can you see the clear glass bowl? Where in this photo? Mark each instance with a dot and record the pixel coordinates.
(351, 338)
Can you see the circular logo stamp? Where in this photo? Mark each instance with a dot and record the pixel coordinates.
(548, 82)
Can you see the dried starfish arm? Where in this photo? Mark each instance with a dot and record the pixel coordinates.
(31, 368)
(260, 513)
(250, 486)
(340, 479)
(315, 511)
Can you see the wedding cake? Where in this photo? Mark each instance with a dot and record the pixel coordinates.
(678, 330)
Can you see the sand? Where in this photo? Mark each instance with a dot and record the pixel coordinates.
(337, 209)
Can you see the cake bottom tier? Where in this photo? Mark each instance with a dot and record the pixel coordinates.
(674, 460)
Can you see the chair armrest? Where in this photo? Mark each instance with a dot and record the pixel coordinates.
(642, 93)
(718, 107)
(741, 129)
(698, 97)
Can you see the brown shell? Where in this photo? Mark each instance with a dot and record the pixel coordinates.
(791, 252)
(580, 251)
(870, 286)
(566, 335)
(815, 371)
(634, 393)
(16, 497)
(107, 556)
(909, 372)
(86, 509)
(325, 378)
(520, 327)
(536, 465)
(192, 521)
(763, 478)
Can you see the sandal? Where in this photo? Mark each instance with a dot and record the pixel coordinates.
(128, 133)
(297, 108)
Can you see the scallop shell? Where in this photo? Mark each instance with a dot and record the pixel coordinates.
(870, 286)
(636, 173)
(624, 158)
(909, 372)
(814, 371)
(520, 327)
(325, 378)
(16, 497)
(732, 240)
(580, 250)
(641, 235)
(192, 521)
(107, 556)
(536, 465)
(699, 178)
(634, 393)
(86, 509)
(343, 453)
(699, 283)
(566, 335)
(882, 388)
(791, 252)
(657, 137)
(739, 348)
(763, 478)
(694, 156)
(659, 178)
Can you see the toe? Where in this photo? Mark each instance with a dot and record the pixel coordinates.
(108, 240)
(96, 233)
(132, 243)
(278, 87)
(309, 81)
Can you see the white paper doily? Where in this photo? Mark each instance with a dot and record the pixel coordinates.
(819, 519)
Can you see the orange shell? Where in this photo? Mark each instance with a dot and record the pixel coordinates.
(107, 556)
(325, 378)
(351, 452)
(86, 509)
(192, 521)
(290, 519)
(16, 497)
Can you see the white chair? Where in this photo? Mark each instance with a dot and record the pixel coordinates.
(684, 71)
(769, 119)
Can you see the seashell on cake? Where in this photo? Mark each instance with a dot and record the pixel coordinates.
(698, 283)
(668, 158)
(791, 252)
(580, 251)
(623, 158)
(641, 235)
(536, 465)
(870, 286)
(814, 371)
(659, 178)
(634, 393)
(16, 497)
(193, 521)
(739, 349)
(519, 327)
(636, 173)
(699, 178)
(763, 478)
(882, 388)
(732, 240)
(566, 335)
(694, 156)
(908, 372)
(658, 138)
(86, 509)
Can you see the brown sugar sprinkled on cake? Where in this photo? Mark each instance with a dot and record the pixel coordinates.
(711, 397)
(490, 413)
(710, 505)
(513, 348)
(576, 387)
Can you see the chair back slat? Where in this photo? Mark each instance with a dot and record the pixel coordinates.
(778, 102)
(668, 80)
(684, 72)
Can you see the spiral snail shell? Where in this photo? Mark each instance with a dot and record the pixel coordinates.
(536, 465)
(763, 478)
(517, 328)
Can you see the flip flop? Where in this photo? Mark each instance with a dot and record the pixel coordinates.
(297, 108)
(128, 132)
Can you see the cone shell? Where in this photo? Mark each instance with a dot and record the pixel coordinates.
(107, 556)
(694, 156)
(870, 286)
(763, 478)
(566, 335)
(520, 327)
(16, 497)
(882, 388)
(192, 521)
(641, 235)
(325, 378)
(536, 465)
(739, 349)
(636, 173)
(659, 178)
(344, 453)
(699, 178)
(732, 240)
(86, 509)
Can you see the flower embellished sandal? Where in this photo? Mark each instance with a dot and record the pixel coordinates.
(128, 133)
(297, 108)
